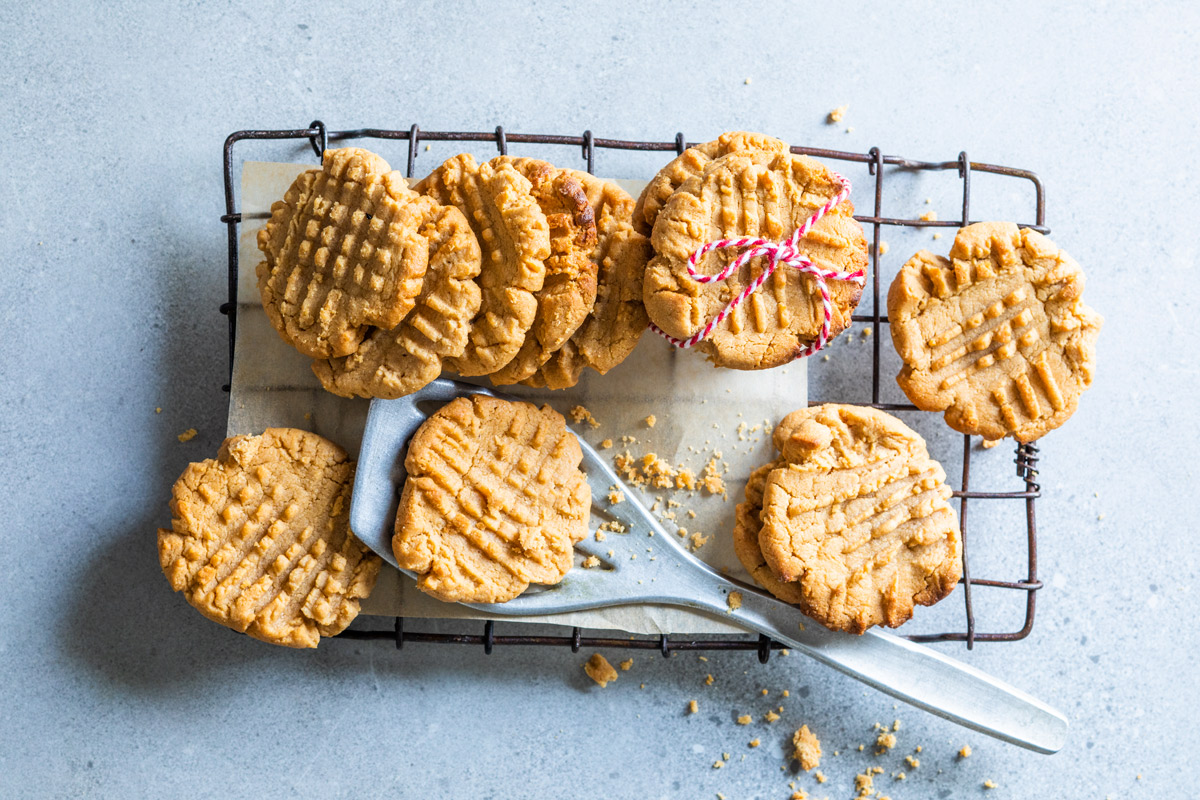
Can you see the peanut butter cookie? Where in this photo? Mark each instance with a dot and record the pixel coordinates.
(762, 194)
(514, 237)
(260, 538)
(996, 336)
(569, 292)
(494, 500)
(690, 164)
(858, 517)
(618, 319)
(341, 252)
(393, 363)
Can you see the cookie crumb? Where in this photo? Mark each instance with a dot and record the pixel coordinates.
(937, 236)
(718, 764)
(693, 707)
(745, 719)
(600, 537)
(912, 762)
(599, 670)
(607, 443)
(928, 216)
(896, 725)
(708, 679)
(786, 693)
(867, 331)
(580, 414)
(863, 783)
(626, 664)
(988, 444)
(734, 601)
(770, 716)
(763, 692)
(616, 496)
(187, 435)
(900, 776)
(698, 540)
(838, 114)
(799, 795)
(883, 248)
(807, 750)
(989, 784)
(590, 562)
(650, 420)
(965, 752)
(884, 742)
(820, 776)
(747, 82)
(158, 410)
(685, 479)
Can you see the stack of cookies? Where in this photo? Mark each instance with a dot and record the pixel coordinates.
(851, 522)
(514, 269)
(747, 185)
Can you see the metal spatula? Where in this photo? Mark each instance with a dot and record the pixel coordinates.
(664, 572)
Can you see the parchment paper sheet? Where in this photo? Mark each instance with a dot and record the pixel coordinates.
(698, 411)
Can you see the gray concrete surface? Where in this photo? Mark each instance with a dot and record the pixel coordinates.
(114, 115)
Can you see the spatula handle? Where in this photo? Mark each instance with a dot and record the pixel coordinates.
(913, 673)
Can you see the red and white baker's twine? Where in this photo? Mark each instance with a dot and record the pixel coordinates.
(777, 253)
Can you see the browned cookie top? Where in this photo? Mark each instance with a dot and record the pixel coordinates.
(260, 538)
(762, 194)
(569, 292)
(341, 252)
(997, 335)
(618, 319)
(514, 237)
(494, 500)
(857, 516)
(691, 163)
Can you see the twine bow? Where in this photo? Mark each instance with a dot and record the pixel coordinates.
(777, 253)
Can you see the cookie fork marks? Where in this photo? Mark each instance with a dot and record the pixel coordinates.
(777, 253)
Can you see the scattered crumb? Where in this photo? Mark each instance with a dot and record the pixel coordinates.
(838, 114)
(820, 776)
(807, 749)
(901, 776)
(607, 443)
(763, 692)
(937, 235)
(685, 479)
(918, 748)
(708, 679)
(928, 216)
(734, 601)
(912, 762)
(188, 435)
(863, 783)
(799, 794)
(884, 742)
(718, 764)
(600, 537)
(693, 707)
(883, 248)
(650, 420)
(867, 331)
(599, 670)
(747, 81)
(786, 693)
(850, 129)
(580, 414)
(427, 148)
(745, 719)
(698, 540)
(896, 725)
(616, 496)
(989, 784)
(591, 561)
(861, 747)
(711, 479)
(643, 686)
(965, 752)
(928, 200)
(158, 410)
(691, 514)
(755, 742)
(626, 664)
(770, 716)
(308, 415)
(702, 658)
(825, 357)
(988, 444)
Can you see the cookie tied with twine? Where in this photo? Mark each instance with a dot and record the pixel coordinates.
(715, 282)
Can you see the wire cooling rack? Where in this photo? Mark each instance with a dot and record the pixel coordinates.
(1026, 458)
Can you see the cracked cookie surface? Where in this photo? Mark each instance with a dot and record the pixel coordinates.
(761, 194)
(260, 538)
(341, 252)
(494, 500)
(514, 239)
(397, 362)
(618, 318)
(569, 291)
(856, 518)
(997, 335)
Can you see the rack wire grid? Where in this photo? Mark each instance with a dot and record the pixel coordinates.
(1026, 458)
